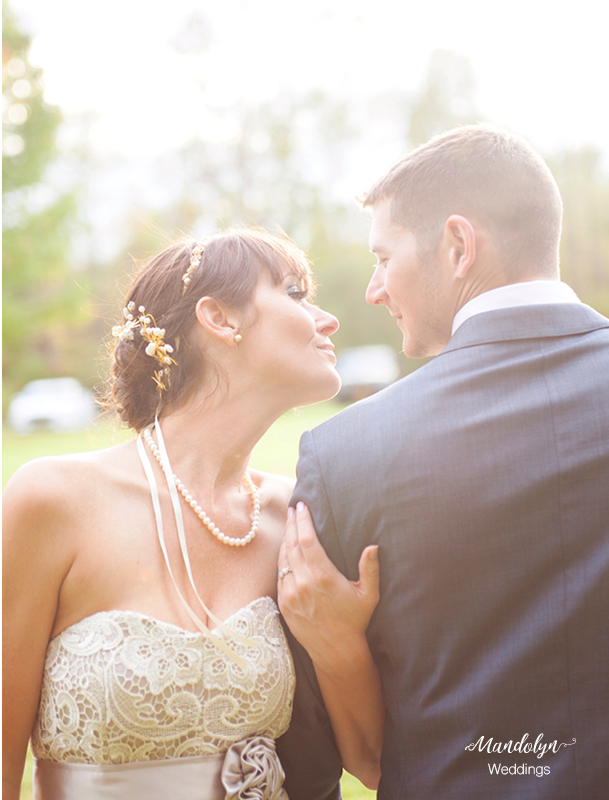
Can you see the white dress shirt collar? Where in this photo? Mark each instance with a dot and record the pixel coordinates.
(529, 293)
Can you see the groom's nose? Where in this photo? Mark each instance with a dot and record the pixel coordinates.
(375, 293)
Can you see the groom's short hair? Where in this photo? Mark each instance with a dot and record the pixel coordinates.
(482, 173)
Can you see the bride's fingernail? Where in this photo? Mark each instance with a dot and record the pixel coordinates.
(300, 506)
(290, 511)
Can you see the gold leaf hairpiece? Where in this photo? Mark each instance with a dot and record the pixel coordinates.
(155, 336)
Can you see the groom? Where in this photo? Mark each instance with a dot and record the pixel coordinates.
(484, 479)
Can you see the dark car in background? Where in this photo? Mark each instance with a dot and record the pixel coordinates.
(366, 370)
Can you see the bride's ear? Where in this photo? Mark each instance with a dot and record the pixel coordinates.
(217, 320)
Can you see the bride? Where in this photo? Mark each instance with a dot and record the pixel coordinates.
(144, 654)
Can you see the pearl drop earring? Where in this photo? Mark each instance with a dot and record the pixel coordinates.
(238, 337)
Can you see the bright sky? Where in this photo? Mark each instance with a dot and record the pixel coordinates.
(540, 68)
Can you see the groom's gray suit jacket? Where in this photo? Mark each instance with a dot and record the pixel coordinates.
(484, 478)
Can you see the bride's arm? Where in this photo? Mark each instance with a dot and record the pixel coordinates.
(34, 563)
(328, 615)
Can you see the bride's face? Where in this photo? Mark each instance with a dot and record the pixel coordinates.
(287, 342)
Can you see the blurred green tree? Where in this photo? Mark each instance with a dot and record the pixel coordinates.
(280, 170)
(343, 267)
(447, 99)
(584, 251)
(39, 302)
(270, 163)
(284, 164)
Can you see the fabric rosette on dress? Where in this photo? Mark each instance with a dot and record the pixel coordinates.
(252, 771)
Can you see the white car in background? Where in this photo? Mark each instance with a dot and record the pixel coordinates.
(59, 404)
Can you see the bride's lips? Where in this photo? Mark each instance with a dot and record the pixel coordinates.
(328, 348)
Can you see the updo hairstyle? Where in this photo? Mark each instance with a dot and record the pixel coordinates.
(229, 270)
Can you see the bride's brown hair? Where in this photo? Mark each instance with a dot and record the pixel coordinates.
(229, 271)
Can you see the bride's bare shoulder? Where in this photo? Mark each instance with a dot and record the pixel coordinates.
(52, 482)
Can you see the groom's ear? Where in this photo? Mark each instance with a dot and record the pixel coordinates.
(460, 241)
(217, 320)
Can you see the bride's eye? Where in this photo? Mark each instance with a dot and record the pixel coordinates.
(296, 292)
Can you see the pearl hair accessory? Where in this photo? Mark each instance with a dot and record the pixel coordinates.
(195, 260)
(190, 500)
(156, 347)
(124, 332)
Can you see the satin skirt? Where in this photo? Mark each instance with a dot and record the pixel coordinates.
(249, 768)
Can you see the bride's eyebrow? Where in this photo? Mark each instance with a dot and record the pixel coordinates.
(304, 280)
(301, 280)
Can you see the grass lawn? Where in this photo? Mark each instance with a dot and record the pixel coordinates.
(276, 452)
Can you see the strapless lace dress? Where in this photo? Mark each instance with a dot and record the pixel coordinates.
(132, 708)
(135, 708)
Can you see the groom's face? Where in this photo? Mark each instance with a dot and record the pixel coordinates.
(413, 288)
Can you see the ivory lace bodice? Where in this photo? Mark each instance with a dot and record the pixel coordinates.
(120, 686)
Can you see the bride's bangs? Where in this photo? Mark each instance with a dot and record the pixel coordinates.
(280, 256)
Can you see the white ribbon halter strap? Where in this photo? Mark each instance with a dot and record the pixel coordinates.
(183, 547)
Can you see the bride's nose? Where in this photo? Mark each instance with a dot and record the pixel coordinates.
(325, 323)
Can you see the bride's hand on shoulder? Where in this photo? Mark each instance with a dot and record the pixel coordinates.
(327, 613)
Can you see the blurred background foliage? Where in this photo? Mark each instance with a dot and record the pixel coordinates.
(281, 164)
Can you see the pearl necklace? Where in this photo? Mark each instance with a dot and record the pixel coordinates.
(211, 527)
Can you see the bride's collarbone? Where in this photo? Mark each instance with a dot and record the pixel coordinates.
(119, 562)
(120, 565)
